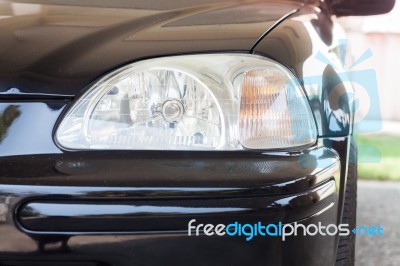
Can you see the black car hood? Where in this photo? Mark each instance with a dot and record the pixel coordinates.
(59, 47)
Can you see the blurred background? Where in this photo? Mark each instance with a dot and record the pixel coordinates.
(379, 150)
(381, 35)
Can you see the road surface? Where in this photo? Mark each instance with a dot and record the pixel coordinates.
(379, 203)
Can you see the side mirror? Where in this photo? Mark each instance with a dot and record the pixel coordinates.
(342, 8)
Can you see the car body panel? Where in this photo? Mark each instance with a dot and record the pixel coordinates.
(313, 47)
(59, 48)
(232, 186)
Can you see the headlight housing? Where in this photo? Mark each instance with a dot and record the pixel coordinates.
(191, 102)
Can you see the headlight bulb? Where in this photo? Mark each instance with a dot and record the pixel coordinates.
(172, 111)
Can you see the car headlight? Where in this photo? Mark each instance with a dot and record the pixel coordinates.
(191, 102)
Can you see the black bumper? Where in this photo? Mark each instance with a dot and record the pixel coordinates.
(133, 208)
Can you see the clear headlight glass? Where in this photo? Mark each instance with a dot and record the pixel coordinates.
(191, 102)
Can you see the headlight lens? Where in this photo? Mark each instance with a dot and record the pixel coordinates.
(192, 102)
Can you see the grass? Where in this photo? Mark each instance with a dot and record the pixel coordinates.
(378, 157)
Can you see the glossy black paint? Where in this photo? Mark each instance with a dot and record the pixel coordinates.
(361, 7)
(111, 215)
(31, 129)
(81, 50)
(58, 49)
(178, 249)
(252, 181)
(50, 55)
(309, 43)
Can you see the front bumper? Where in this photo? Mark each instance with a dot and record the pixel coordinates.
(133, 208)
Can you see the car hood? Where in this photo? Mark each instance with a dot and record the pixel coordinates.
(58, 47)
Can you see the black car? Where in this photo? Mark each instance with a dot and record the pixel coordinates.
(176, 132)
